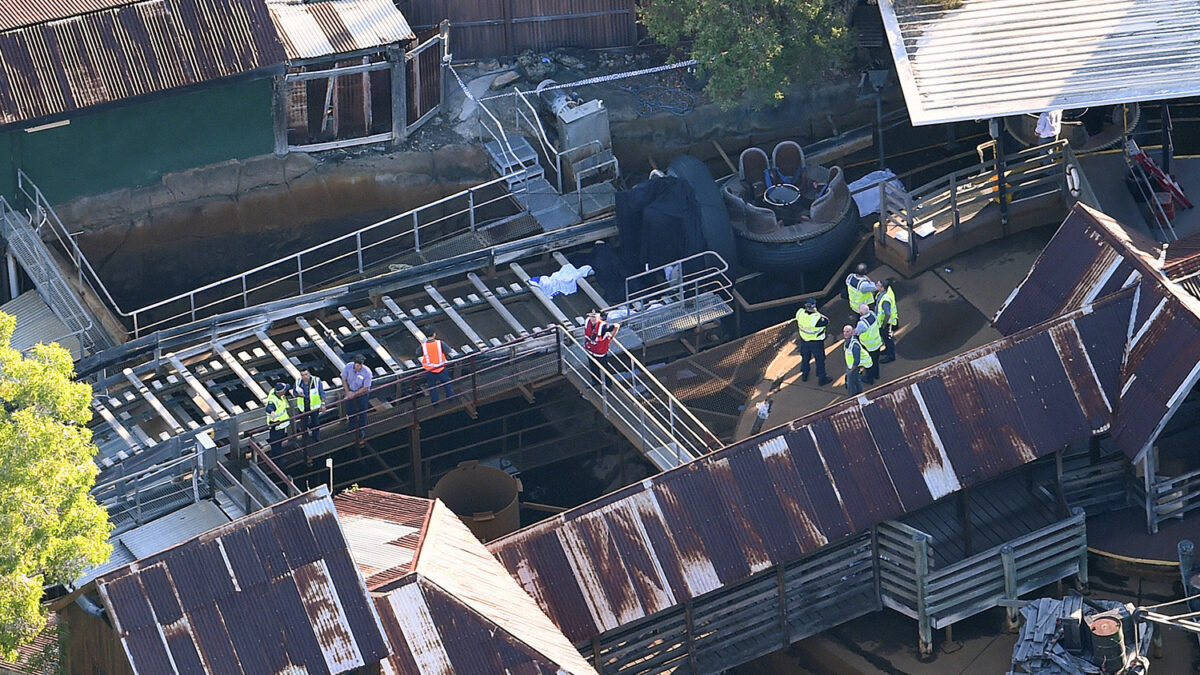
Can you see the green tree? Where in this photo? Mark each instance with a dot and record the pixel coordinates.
(51, 528)
(753, 48)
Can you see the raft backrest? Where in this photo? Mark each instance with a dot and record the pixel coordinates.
(753, 164)
(788, 159)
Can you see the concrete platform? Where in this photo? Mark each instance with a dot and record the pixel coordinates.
(942, 313)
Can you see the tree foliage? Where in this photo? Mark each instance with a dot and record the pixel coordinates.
(754, 48)
(51, 528)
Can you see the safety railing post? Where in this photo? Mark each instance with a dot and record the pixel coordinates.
(474, 384)
(192, 305)
(416, 234)
(300, 273)
(245, 296)
(471, 208)
(358, 250)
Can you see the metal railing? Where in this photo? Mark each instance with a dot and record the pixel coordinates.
(353, 253)
(939, 205)
(698, 284)
(143, 495)
(26, 246)
(633, 399)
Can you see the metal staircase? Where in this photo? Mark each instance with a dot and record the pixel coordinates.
(517, 162)
(637, 405)
(22, 234)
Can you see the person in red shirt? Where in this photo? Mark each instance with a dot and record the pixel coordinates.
(598, 335)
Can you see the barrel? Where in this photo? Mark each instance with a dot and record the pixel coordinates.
(483, 497)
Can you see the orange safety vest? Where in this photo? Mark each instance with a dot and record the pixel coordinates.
(432, 357)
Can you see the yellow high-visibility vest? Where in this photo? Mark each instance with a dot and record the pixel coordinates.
(864, 356)
(870, 338)
(889, 296)
(278, 418)
(807, 323)
(856, 296)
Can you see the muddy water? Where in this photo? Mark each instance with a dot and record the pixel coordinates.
(192, 245)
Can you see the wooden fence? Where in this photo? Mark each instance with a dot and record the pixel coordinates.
(738, 623)
(483, 28)
(938, 598)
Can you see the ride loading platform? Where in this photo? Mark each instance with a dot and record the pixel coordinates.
(507, 341)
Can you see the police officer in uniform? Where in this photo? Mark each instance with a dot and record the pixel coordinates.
(811, 325)
(889, 317)
(858, 360)
(860, 289)
(310, 401)
(867, 332)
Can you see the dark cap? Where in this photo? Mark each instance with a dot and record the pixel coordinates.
(280, 387)
(359, 358)
(811, 303)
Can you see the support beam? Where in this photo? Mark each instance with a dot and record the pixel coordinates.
(154, 402)
(204, 399)
(541, 296)
(374, 344)
(278, 354)
(116, 426)
(404, 318)
(237, 368)
(455, 317)
(492, 300)
(321, 344)
(584, 284)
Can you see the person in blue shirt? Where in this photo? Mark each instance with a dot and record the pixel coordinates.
(309, 393)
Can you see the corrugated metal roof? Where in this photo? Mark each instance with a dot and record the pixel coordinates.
(990, 58)
(315, 28)
(36, 323)
(384, 531)
(1093, 255)
(779, 495)
(17, 13)
(132, 50)
(275, 591)
(455, 610)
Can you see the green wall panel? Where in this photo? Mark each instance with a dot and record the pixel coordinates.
(135, 145)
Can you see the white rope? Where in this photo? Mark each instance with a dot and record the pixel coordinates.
(595, 80)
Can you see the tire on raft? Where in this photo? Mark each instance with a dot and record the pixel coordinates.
(714, 218)
(788, 257)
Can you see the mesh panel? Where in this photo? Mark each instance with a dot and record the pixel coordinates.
(716, 384)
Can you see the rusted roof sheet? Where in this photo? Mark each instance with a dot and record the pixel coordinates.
(17, 13)
(273, 592)
(784, 493)
(315, 28)
(384, 531)
(435, 633)
(1092, 256)
(132, 50)
(1089, 257)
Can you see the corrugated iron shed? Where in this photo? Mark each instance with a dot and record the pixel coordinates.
(1092, 256)
(777, 496)
(991, 58)
(384, 531)
(273, 592)
(17, 13)
(315, 28)
(36, 323)
(456, 610)
(132, 50)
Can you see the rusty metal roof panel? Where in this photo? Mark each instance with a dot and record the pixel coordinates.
(316, 28)
(127, 50)
(1182, 257)
(263, 591)
(17, 13)
(722, 518)
(385, 531)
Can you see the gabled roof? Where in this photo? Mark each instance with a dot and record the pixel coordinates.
(991, 58)
(775, 497)
(1094, 256)
(86, 59)
(315, 28)
(455, 609)
(275, 591)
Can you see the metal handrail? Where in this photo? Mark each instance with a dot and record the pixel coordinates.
(243, 289)
(539, 132)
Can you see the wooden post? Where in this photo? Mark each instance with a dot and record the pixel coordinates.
(1094, 450)
(596, 653)
(954, 205)
(783, 611)
(924, 621)
(1148, 484)
(1010, 585)
(1082, 575)
(1060, 494)
(443, 81)
(395, 56)
(964, 518)
(366, 88)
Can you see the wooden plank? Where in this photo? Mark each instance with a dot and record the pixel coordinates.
(116, 426)
(278, 354)
(455, 316)
(206, 400)
(374, 344)
(497, 305)
(541, 296)
(153, 401)
(237, 368)
(584, 284)
(321, 344)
